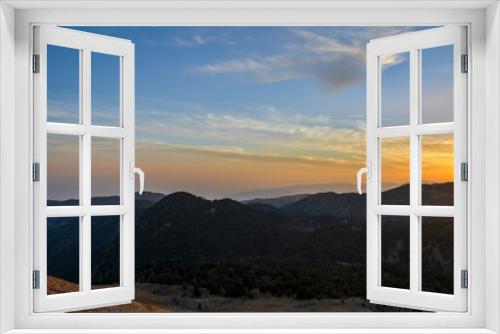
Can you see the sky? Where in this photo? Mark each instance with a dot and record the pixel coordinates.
(222, 111)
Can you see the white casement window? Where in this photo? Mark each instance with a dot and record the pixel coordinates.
(403, 123)
(472, 28)
(85, 132)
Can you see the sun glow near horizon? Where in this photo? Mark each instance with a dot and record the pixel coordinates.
(224, 110)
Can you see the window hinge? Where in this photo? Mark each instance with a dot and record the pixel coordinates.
(36, 172)
(465, 63)
(464, 171)
(36, 63)
(36, 279)
(464, 279)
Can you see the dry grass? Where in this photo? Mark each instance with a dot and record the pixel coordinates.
(56, 286)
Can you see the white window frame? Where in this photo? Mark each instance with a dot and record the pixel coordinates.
(85, 44)
(413, 43)
(16, 20)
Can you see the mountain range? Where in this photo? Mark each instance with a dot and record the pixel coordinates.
(302, 246)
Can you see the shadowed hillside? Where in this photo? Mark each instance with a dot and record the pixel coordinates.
(310, 248)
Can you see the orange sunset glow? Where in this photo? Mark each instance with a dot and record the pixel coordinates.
(261, 113)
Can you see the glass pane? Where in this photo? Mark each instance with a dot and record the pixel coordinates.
(63, 167)
(105, 171)
(63, 84)
(63, 255)
(105, 89)
(437, 169)
(395, 242)
(105, 260)
(395, 170)
(437, 84)
(395, 89)
(437, 254)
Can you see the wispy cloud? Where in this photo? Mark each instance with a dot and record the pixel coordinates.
(317, 43)
(233, 153)
(234, 66)
(390, 60)
(63, 110)
(337, 63)
(189, 41)
(268, 130)
(188, 38)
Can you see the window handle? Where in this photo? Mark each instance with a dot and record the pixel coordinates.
(134, 170)
(365, 170)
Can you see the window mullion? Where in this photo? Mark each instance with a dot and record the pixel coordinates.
(415, 245)
(85, 173)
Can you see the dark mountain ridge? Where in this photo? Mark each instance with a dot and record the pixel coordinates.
(333, 204)
(277, 202)
(231, 247)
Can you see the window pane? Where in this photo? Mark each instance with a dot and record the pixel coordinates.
(105, 260)
(105, 89)
(63, 168)
(63, 84)
(437, 254)
(437, 84)
(437, 169)
(63, 255)
(105, 171)
(395, 170)
(395, 251)
(395, 89)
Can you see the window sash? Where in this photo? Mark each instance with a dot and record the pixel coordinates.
(86, 43)
(414, 297)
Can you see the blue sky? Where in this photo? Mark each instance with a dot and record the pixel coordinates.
(222, 110)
